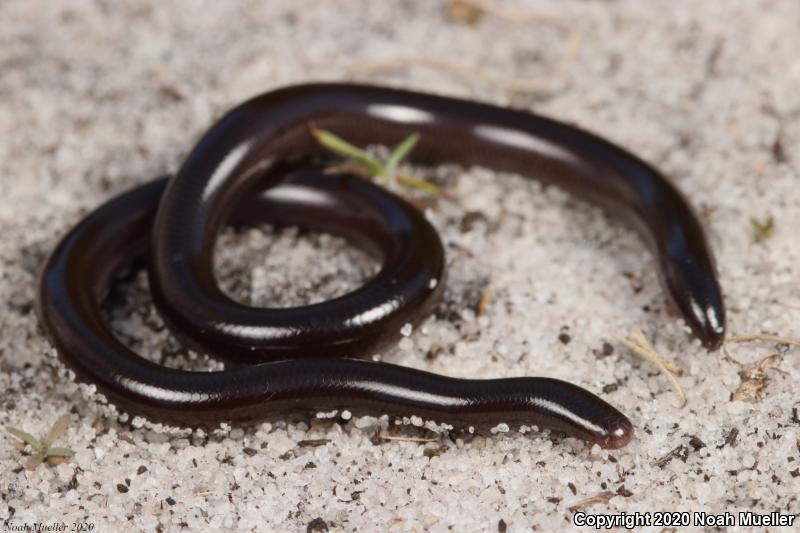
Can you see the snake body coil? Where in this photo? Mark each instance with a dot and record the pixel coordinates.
(235, 175)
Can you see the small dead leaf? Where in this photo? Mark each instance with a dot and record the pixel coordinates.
(755, 380)
(486, 299)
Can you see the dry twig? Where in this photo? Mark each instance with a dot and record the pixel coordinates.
(603, 497)
(515, 85)
(762, 337)
(639, 345)
(423, 440)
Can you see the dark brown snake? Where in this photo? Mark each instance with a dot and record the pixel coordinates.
(281, 356)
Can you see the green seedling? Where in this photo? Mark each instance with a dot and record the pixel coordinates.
(762, 229)
(44, 450)
(380, 171)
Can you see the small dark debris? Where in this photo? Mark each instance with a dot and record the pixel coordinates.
(501, 526)
(355, 495)
(141, 470)
(680, 451)
(434, 351)
(317, 526)
(564, 338)
(635, 280)
(794, 418)
(730, 440)
(696, 443)
(170, 500)
(611, 387)
(313, 443)
(554, 500)
(606, 350)
(171, 92)
(470, 220)
(376, 439)
(308, 465)
(73, 483)
(433, 452)
(471, 296)
(286, 456)
(572, 488)
(625, 493)
(250, 451)
(778, 151)
(122, 487)
(712, 62)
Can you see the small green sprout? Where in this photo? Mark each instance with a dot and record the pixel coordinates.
(398, 154)
(762, 229)
(381, 172)
(42, 450)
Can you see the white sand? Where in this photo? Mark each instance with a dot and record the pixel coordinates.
(96, 97)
